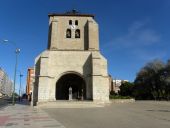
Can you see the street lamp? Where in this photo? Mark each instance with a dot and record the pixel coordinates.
(17, 51)
(20, 87)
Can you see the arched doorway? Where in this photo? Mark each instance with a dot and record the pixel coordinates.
(73, 80)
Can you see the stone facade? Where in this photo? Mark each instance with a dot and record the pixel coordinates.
(71, 61)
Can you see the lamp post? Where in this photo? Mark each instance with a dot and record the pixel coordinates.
(20, 87)
(17, 51)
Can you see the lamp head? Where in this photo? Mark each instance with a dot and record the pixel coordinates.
(17, 50)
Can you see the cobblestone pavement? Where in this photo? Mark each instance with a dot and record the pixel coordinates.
(24, 116)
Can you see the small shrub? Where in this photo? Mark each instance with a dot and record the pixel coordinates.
(119, 97)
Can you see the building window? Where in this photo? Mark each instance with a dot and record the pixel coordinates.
(70, 22)
(76, 22)
(68, 33)
(77, 33)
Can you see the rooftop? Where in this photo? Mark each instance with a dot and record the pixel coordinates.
(71, 13)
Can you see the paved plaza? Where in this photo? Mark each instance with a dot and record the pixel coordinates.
(139, 114)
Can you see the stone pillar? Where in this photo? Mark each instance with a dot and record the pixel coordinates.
(100, 78)
(93, 35)
(53, 34)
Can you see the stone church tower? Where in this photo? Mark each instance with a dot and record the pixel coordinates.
(72, 61)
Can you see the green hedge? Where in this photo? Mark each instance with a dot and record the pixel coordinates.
(119, 97)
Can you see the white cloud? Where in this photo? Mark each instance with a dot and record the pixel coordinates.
(139, 42)
(147, 55)
(136, 26)
(138, 35)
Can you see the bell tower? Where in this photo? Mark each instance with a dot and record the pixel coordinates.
(73, 31)
(71, 60)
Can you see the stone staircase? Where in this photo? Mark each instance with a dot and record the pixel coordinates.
(71, 104)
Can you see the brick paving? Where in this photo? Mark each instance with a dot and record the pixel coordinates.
(24, 116)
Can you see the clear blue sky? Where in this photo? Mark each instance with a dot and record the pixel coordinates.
(132, 32)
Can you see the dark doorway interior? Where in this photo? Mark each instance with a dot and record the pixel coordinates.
(74, 81)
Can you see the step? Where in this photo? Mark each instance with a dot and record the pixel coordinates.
(70, 104)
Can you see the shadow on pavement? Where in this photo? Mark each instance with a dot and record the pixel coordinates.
(3, 103)
(158, 110)
(23, 102)
(8, 102)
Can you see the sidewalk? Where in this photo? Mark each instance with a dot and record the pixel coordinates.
(24, 116)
